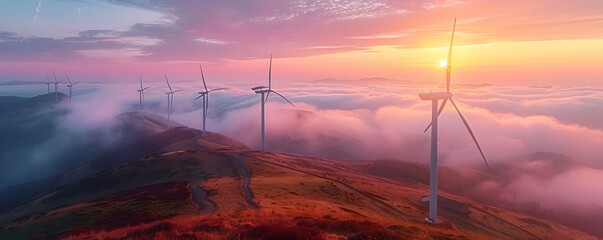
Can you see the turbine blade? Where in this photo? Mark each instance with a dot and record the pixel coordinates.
(145, 88)
(203, 77)
(180, 90)
(75, 83)
(270, 75)
(168, 83)
(140, 82)
(283, 97)
(472, 135)
(449, 61)
(268, 94)
(69, 80)
(199, 97)
(55, 77)
(439, 112)
(218, 89)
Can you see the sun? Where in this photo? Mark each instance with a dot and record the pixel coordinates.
(443, 64)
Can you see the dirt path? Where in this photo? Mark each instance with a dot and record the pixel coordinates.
(199, 197)
(239, 164)
(388, 208)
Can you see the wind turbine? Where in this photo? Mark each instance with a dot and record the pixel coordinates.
(48, 83)
(170, 96)
(70, 86)
(56, 87)
(141, 93)
(266, 92)
(434, 98)
(205, 96)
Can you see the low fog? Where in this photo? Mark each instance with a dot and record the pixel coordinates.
(372, 119)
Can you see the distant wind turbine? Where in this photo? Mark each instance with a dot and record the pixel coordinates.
(266, 92)
(56, 87)
(141, 93)
(434, 97)
(48, 83)
(205, 96)
(70, 86)
(170, 96)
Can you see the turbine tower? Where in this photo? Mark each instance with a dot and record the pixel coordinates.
(141, 93)
(70, 86)
(265, 92)
(56, 87)
(170, 96)
(434, 98)
(48, 83)
(205, 96)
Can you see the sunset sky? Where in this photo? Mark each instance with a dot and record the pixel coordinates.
(540, 63)
(541, 42)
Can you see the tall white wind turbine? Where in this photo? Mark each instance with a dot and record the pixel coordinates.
(265, 92)
(141, 94)
(434, 98)
(56, 87)
(170, 96)
(70, 86)
(205, 96)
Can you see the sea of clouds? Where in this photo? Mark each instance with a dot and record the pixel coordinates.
(384, 119)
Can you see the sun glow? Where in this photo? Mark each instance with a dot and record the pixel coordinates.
(443, 64)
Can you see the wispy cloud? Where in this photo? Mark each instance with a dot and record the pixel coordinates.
(37, 10)
(211, 41)
(430, 5)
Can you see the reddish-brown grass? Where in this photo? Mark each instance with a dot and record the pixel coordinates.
(261, 224)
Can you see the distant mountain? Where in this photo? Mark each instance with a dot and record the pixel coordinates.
(333, 142)
(389, 81)
(369, 80)
(38, 149)
(541, 165)
(25, 123)
(13, 83)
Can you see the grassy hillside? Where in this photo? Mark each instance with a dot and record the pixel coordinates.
(269, 196)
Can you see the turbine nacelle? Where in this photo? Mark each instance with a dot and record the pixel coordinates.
(258, 87)
(262, 90)
(69, 81)
(141, 94)
(205, 96)
(141, 87)
(265, 93)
